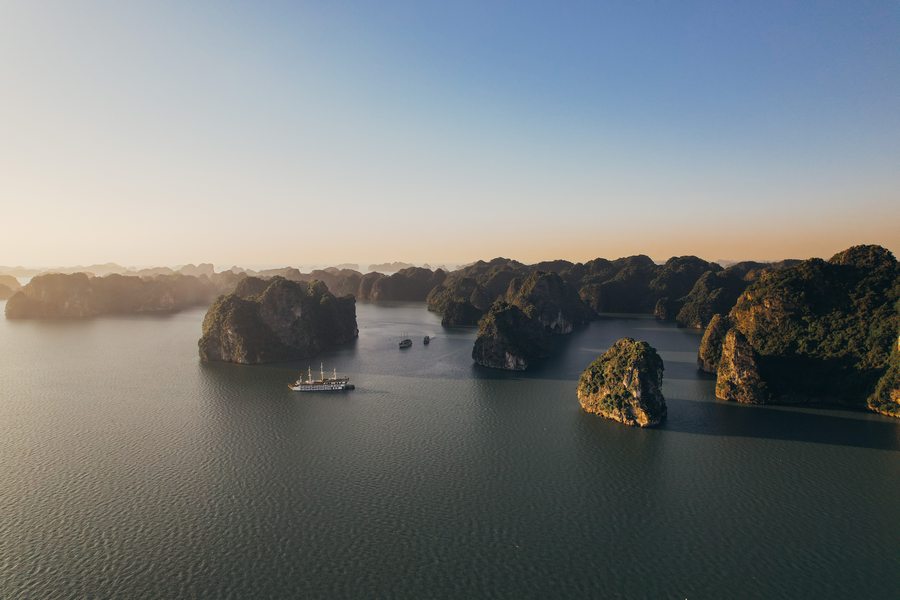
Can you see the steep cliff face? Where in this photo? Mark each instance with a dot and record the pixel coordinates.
(625, 384)
(622, 285)
(458, 290)
(77, 295)
(886, 397)
(666, 309)
(711, 345)
(544, 296)
(285, 320)
(509, 339)
(460, 314)
(738, 378)
(822, 331)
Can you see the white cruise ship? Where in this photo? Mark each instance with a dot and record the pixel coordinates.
(322, 384)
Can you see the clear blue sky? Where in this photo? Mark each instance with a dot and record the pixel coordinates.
(279, 133)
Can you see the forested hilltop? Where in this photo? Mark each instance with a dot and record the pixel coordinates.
(815, 332)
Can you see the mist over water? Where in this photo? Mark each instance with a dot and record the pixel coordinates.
(130, 469)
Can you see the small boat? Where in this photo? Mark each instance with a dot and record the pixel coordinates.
(405, 343)
(323, 384)
(427, 340)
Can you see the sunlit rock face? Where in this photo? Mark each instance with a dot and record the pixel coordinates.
(737, 377)
(711, 344)
(819, 331)
(625, 384)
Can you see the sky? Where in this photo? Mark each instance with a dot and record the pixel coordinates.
(270, 133)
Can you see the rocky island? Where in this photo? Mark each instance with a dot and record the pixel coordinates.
(625, 384)
(818, 332)
(79, 295)
(632, 284)
(274, 320)
(509, 339)
(516, 330)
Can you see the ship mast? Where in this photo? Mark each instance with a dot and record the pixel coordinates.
(322, 371)
(334, 375)
(310, 373)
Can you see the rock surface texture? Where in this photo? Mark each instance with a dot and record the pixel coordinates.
(711, 344)
(509, 339)
(625, 384)
(738, 378)
(266, 321)
(816, 332)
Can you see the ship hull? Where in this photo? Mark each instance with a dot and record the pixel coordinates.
(322, 387)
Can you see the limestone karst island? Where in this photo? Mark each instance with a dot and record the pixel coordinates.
(450, 300)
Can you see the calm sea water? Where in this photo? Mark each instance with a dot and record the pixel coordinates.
(128, 469)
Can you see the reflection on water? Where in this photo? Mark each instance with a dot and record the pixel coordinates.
(130, 469)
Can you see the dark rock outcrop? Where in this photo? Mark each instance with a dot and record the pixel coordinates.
(544, 296)
(411, 285)
(677, 277)
(622, 285)
(738, 378)
(625, 384)
(479, 284)
(460, 313)
(630, 284)
(711, 345)
(666, 309)
(509, 339)
(284, 320)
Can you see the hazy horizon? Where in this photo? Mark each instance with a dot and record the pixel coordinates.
(151, 133)
(363, 265)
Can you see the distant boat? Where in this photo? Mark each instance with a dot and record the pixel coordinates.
(323, 384)
(405, 343)
(427, 340)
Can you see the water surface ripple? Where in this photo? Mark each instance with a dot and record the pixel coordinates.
(131, 470)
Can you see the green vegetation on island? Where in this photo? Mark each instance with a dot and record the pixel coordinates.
(625, 384)
(509, 339)
(534, 309)
(820, 331)
(274, 320)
